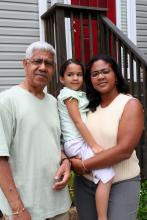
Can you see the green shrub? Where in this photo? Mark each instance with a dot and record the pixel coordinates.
(71, 187)
(142, 212)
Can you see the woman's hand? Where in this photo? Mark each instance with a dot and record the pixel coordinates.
(78, 166)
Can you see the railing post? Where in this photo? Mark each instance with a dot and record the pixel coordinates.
(60, 36)
(145, 120)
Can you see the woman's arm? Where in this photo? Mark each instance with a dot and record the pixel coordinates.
(73, 110)
(129, 133)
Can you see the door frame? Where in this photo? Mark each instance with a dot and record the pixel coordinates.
(42, 5)
(131, 20)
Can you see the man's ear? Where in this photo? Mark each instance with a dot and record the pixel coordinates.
(24, 62)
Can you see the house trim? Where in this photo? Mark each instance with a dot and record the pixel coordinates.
(131, 20)
(42, 4)
(67, 2)
(118, 13)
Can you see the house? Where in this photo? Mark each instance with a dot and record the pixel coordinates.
(21, 24)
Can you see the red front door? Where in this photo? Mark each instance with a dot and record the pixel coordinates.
(109, 4)
(111, 14)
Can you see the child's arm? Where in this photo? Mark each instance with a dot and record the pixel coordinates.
(73, 110)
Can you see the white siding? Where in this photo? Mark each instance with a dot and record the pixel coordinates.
(124, 16)
(141, 24)
(19, 26)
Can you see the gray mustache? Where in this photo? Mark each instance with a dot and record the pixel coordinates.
(42, 74)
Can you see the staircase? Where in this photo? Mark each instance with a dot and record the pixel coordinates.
(90, 30)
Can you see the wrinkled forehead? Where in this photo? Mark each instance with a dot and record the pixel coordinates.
(42, 54)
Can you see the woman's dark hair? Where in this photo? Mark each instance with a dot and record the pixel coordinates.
(70, 61)
(94, 96)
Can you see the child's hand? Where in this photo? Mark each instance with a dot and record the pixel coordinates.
(97, 149)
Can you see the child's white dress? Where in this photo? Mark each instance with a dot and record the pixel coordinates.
(74, 144)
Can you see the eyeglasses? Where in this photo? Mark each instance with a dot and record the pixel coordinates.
(96, 73)
(38, 62)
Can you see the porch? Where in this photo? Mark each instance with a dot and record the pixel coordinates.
(91, 33)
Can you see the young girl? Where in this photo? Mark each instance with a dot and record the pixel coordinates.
(78, 141)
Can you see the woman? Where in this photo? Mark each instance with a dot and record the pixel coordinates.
(116, 122)
(72, 105)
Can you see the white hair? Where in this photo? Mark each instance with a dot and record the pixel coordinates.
(40, 45)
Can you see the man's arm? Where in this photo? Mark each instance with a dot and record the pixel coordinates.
(9, 189)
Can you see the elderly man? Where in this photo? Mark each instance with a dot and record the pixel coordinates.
(33, 169)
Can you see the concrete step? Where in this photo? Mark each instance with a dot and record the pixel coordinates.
(73, 214)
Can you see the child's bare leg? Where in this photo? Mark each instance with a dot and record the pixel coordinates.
(102, 199)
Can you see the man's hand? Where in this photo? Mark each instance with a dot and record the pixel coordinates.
(62, 175)
(22, 214)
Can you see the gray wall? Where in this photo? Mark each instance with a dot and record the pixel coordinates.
(141, 24)
(19, 26)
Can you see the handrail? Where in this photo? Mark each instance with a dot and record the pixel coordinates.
(126, 41)
(71, 8)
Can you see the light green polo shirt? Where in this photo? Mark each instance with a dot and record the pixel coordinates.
(30, 136)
